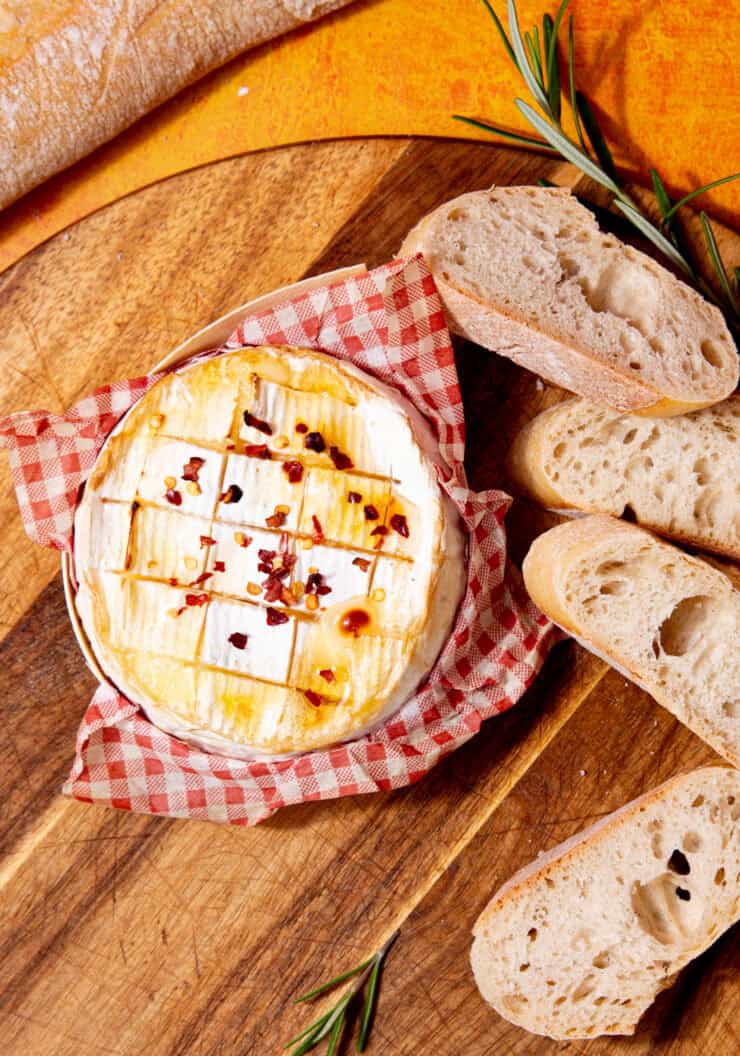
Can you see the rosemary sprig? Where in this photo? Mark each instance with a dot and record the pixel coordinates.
(332, 1023)
(540, 70)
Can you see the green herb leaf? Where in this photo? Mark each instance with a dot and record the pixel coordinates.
(367, 1011)
(311, 1028)
(737, 279)
(595, 137)
(336, 1034)
(535, 60)
(700, 190)
(664, 204)
(717, 264)
(572, 84)
(661, 194)
(545, 183)
(524, 68)
(333, 982)
(551, 64)
(502, 33)
(569, 150)
(652, 233)
(528, 141)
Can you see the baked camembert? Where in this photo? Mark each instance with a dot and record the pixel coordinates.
(265, 560)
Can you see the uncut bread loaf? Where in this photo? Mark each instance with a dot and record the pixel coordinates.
(580, 942)
(679, 476)
(526, 272)
(669, 621)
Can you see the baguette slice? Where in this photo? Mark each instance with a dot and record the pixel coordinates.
(581, 941)
(670, 622)
(679, 476)
(526, 272)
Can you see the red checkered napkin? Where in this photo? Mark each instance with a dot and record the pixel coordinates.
(389, 322)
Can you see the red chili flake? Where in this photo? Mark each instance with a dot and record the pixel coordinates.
(380, 530)
(173, 581)
(340, 460)
(219, 566)
(173, 497)
(257, 451)
(245, 540)
(206, 540)
(232, 494)
(313, 698)
(257, 423)
(318, 531)
(371, 513)
(293, 471)
(201, 579)
(327, 674)
(400, 524)
(315, 442)
(315, 584)
(238, 640)
(266, 558)
(275, 616)
(301, 427)
(354, 496)
(362, 562)
(276, 520)
(273, 589)
(192, 468)
(284, 542)
(196, 599)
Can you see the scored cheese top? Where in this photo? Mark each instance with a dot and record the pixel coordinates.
(265, 561)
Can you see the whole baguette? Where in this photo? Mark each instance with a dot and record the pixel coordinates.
(678, 476)
(580, 942)
(75, 73)
(669, 621)
(526, 272)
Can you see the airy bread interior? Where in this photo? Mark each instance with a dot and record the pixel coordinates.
(580, 942)
(537, 257)
(671, 622)
(679, 476)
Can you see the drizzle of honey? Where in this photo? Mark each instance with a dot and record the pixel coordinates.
(354, 622)
(332, 645)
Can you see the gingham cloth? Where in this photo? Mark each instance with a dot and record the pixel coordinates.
(389, 322)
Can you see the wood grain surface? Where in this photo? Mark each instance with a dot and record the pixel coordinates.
(123, 934)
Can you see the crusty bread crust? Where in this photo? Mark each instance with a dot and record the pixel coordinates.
(74, 74)
(568, 364)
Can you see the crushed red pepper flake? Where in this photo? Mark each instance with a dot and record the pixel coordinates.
(327, 674)
(362, 562)
(315, 584)
(219, 566)
(202, 578)
(318, 531)
(400, 524)
(380, 530)
(253, 422)
(206, 540)
(340, 460)
(196, 599)
(275, 616)
(173, 497)
(238, 640)
(354, 496)
(315, 442)
(192, 468)
(232, 494)
(293, 471)
(173, 581)
(257, 451)
(371, 513)
(276, 520)
(301, 427)
(313, 698)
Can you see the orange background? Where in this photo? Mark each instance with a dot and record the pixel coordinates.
(665, 75)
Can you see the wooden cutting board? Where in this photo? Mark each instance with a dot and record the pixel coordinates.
(122, 934)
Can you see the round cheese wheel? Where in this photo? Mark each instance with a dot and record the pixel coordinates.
(265, 561)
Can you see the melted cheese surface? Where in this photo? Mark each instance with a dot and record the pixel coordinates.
(266, 563)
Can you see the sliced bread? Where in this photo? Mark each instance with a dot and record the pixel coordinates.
(679, 476)
(526, 272)
(580, 942)
(670, 622)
